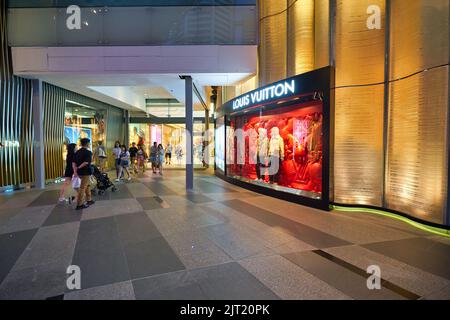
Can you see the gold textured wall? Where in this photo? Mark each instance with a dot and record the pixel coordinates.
(16, 119)
(273, 27)
(300, 37)
(359, 105)
(416, 177)
(321, 33)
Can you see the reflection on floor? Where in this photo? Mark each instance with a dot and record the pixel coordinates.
(153, 240)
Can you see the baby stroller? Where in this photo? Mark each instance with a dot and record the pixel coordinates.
(103, 182)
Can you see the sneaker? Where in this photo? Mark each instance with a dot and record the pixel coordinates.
(129, 178)
(62, 200)
(117, 180)
(90, 203)
(84, 206)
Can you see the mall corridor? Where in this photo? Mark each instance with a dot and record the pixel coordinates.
(152, 240)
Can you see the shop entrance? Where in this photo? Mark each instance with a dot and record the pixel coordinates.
(172, 136)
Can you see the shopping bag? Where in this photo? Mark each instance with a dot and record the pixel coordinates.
(76, 182)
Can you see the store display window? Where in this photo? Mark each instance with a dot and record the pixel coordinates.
(279, 149)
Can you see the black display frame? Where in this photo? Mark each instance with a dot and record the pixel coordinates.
(316, 84)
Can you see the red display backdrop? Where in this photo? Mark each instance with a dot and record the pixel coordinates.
(291, 136)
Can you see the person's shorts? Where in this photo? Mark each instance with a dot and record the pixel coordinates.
(169, 155)
(118, 162)
(124, 163)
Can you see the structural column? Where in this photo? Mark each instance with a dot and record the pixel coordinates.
(189, 133)
(127, 129)
(38, 142)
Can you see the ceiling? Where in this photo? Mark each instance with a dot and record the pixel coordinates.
(129, 91)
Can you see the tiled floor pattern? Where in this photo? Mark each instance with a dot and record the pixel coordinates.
(153, 240)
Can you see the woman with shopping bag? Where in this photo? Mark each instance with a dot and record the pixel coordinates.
(68, 173)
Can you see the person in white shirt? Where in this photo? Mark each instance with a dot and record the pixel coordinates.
(124, 163)
(116, 152)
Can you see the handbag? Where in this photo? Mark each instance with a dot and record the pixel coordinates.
(76, 182)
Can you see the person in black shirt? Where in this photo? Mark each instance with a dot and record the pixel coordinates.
(82, 168)
(133, 154)
(68, 173)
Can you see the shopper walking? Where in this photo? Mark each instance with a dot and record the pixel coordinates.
(100, 156)
(116, 152)
(124, 163)
(82, 169)
(179, 153)
(169, 154)
(141, 157)
(68, 173)
(133, 154)
(160, 155)
(154, 156)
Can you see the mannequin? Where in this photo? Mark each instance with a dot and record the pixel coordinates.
(276, 154)
(262, 151)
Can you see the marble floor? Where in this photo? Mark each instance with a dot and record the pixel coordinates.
(153, 240)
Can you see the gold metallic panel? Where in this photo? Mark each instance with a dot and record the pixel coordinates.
(16, 126)
(360, 52)
(417, 159)
(358, 152)
(300, 37)
(272, 49)
(321, 33)
(359, 108)
(419, 36)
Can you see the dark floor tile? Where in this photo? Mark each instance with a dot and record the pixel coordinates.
(171, 286)
(160, 189)
(425, 254)
(151, 257)
(135, 228)
(208, 187)
(99, 253)
(12, 246)
(231, 282)
(305, 233)
(339, 277)
(198, 198)
(122, 192)
(59, 297)
(149, 203)
(62, 214)
(34, 283)
(46, 198)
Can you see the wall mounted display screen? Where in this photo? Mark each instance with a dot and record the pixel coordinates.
(279, 149)
(219, 144)
(74, 134)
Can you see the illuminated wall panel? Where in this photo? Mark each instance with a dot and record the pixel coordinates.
(358, 154)
(272, 51)
(419, 36)
(416, 177)
(300, 37)
(16, 121)
(359, 111)
(360, 52)
(417, 159)
(321, 33)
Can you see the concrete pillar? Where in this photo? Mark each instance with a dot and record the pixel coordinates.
(189, 133)
(38, 143)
